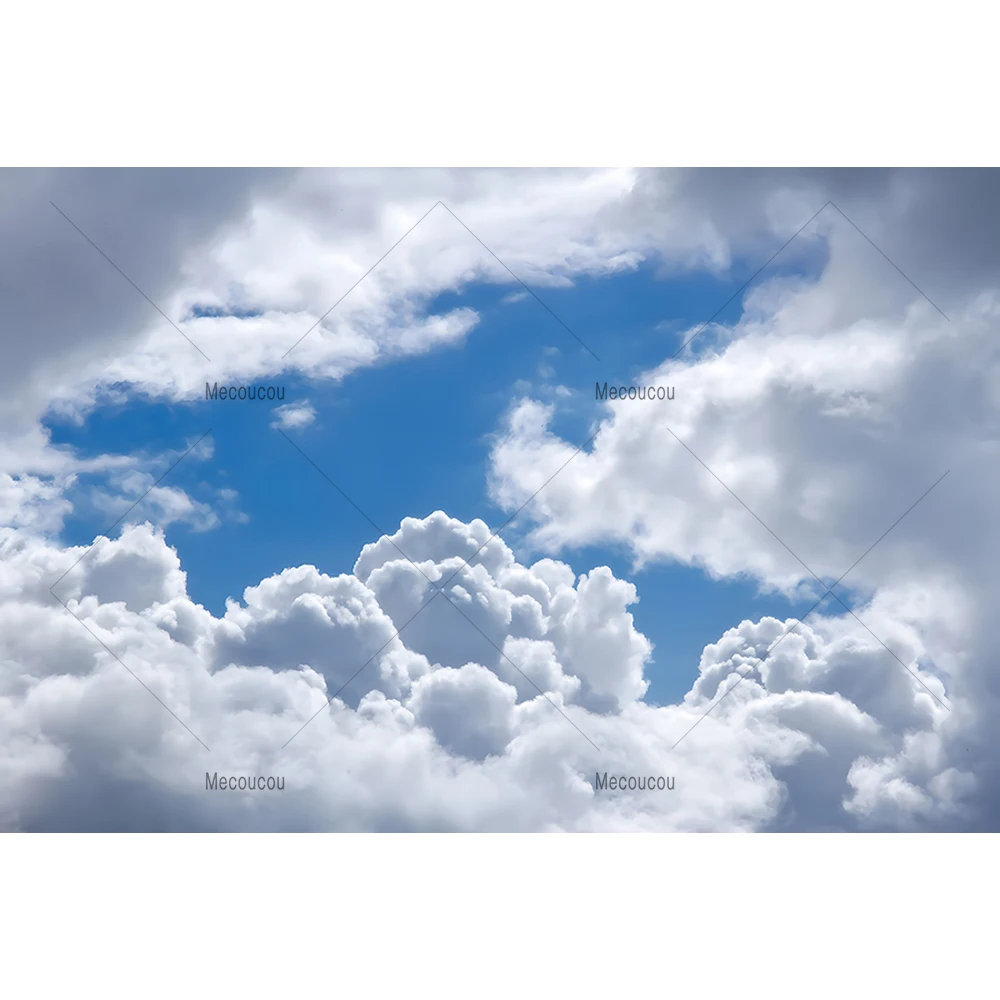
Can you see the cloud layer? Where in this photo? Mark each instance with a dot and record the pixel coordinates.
(503, 722)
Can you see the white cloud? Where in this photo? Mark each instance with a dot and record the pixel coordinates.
(431, 734)
(293, 416)
(163, 505)
(272, 271)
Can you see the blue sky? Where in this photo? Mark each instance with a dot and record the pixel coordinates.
(411, 436)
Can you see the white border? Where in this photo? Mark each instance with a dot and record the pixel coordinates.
(520, 83)
(484, 916)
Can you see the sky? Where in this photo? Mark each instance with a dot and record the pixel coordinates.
(621, 621)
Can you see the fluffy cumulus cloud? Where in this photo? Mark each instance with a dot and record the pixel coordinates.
(497, 716)
(445, 683)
